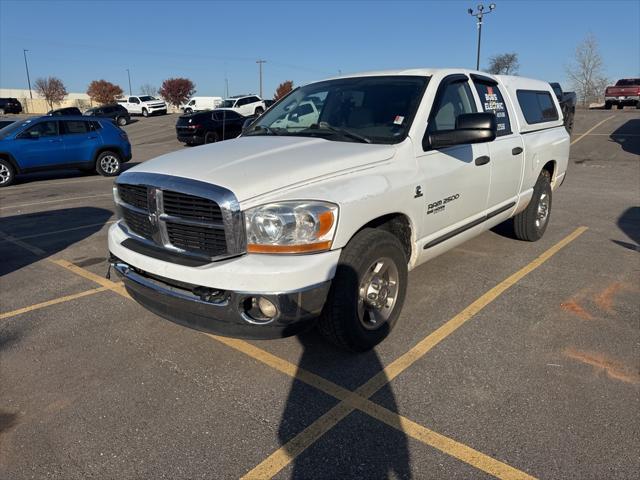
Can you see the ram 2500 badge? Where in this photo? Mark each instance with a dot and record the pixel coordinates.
(320, 220)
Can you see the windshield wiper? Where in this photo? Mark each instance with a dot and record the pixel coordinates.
(269, 130)
(341, 131)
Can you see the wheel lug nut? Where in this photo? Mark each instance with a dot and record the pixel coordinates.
(372, 296)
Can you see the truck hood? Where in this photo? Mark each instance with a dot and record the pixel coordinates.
(253, 166)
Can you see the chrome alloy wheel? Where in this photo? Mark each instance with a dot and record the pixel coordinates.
(378, 293)
(109, 164)
(542, 213)
(5, 174)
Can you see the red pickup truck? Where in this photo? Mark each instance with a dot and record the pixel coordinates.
(625, 92)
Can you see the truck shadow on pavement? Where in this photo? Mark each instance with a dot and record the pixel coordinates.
(67, 227)
(623, 136)
(629, 223)
(358, 446)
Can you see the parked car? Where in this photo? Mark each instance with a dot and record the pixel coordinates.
(200, 104)
(261, 235)
(245, 105)
(144, 105)
(303, 115)
(10, 105)
(568, 102)
(625, 92)
(64, 111)
(115, 111)
(46, 143)
(209, 127)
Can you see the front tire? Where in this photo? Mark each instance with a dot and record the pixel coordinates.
(1, 111)
(7, 173)
(108, 164)
(145, 112)
(531, 223)
(188, 111)
(211, 137)
(620, 106)
(122, 121)
(259, 111)
(367, 292)
(607, 105)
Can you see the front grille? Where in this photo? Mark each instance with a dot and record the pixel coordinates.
(177, 221)
(138, 223)
(135, 195)
(189, 206)
(210, 241)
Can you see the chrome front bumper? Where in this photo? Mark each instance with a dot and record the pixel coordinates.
(222, 312)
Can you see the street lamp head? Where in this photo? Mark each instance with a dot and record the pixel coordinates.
(480, 7)
(470, 11)
(492, 6)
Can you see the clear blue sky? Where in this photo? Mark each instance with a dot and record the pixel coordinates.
(79, 41)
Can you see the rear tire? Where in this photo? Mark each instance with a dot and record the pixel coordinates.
(259, 111)
(607, 105)
(638, 105)
(145, 112)
(188, 111)
(108, 164)
(1, 111)
(620, 106)
(531, 223)
(367, 292)
(211, 137)
(122, 121)
(7, 173)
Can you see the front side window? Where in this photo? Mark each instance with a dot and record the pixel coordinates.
(455, 100)
(360, 109)
(227, 104)
(133, 100)
(147, 98)
(42, 129)
(537, 106)
(492, 101)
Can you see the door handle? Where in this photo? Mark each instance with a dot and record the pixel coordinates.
(516, 151)
(483, 160)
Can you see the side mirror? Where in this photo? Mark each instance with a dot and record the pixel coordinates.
(470, 128)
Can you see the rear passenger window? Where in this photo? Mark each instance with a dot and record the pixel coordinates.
(537, 106)
(493, 102)
(73, 126)
(455, 100)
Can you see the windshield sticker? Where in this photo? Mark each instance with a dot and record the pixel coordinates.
(398, 120)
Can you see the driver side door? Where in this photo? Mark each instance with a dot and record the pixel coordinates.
(40, 146)
(455, 180)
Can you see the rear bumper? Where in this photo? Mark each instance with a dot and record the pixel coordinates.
(225, 312)
(622, 99)
(191, 139)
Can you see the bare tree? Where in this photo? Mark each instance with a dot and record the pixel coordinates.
(51, 89)
(504, 64)
(148, 89)
(586, 71)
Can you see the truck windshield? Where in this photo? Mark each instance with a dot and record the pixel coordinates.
(360, 109)
(147, 99)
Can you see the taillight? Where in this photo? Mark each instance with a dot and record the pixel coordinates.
(193, 127)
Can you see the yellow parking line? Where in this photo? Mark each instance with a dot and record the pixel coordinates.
(48, 303)
(108, 284)
(68, 199)
(591, 130)
(287, 453)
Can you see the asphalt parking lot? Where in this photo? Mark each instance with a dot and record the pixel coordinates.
(510, 359)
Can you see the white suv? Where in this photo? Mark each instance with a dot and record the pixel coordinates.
(144, 105)
(246, 105)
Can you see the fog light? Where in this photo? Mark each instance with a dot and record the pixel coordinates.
(267, 308)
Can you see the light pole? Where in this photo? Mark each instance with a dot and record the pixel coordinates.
(129, 76)
(26, 65)
(260, 62)
(479, 14)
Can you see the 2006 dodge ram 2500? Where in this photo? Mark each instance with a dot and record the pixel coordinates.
(300, 221)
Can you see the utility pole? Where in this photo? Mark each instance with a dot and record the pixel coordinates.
(226, 84)
(479, 14)
(260, 62)
(129, 76)
(26, 65)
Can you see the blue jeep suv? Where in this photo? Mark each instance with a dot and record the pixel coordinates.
(45, 143)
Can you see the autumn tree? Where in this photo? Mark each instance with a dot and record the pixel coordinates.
(283, 89)
(586, 71)
(504, 64)
(103, 92)
(51, 89)
(177, 90)
(148, 89)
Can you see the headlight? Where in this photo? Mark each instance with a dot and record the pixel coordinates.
(291, 227)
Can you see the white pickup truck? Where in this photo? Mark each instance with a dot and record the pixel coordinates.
(144, 105)
(288, 225)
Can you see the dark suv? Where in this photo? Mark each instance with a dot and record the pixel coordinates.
(210, 126)
(10, 105)
(115, 111)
